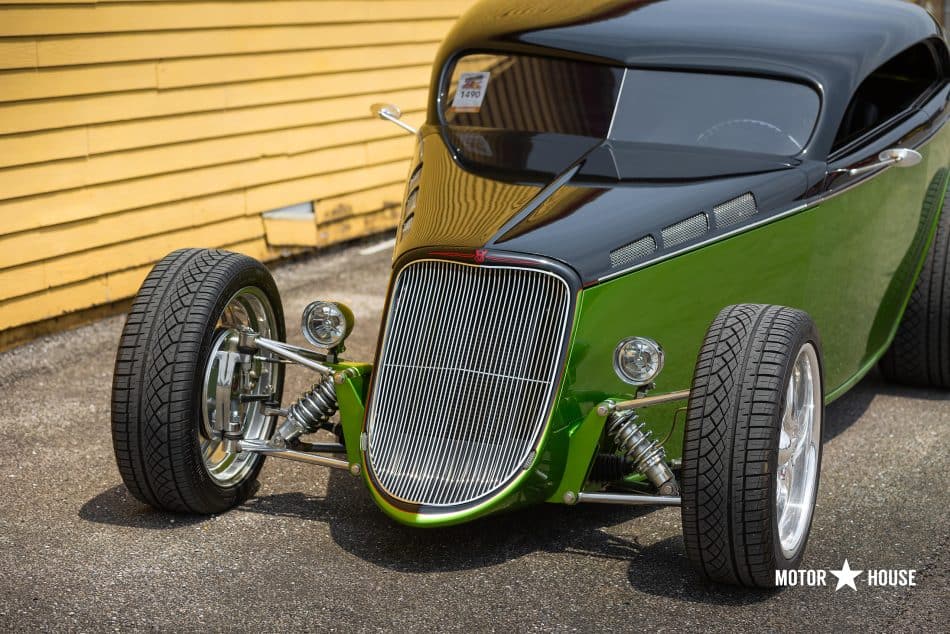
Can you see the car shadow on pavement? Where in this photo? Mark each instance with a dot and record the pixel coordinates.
(663, 570)
(660, 569)
(359, 528)
(116, 506)
(906, 391)
(848, 409)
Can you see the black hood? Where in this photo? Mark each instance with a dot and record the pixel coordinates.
(575, 200)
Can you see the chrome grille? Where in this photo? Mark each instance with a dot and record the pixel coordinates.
(465, 379)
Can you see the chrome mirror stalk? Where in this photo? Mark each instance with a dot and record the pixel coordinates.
(898, 157)
(392, 113)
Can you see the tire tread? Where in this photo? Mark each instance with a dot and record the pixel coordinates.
(737, 391)
(157, 365)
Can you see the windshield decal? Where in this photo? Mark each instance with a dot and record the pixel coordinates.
(471, 92)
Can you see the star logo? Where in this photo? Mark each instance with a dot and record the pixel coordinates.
(846, 576)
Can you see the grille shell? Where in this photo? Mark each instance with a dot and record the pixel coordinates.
(465, 379)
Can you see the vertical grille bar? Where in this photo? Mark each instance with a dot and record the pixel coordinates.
(465, 378)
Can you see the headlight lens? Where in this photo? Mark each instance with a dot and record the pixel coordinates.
(638, 360)
(326, 324)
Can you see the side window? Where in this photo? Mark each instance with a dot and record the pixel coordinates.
(888, 91)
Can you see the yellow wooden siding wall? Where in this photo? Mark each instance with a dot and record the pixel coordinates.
(129, 129)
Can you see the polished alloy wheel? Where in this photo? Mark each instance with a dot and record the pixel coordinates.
(800, 436)
(226, 382)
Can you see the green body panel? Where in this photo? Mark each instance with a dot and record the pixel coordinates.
(351, 396)
(849, 262)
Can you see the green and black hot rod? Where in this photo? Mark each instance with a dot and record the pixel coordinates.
(644, 243)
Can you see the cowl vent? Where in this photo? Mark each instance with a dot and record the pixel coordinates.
(685, 230)
(735, 211)
(633, 252)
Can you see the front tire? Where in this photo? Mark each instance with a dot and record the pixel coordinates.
(752, 449)
(169, 359)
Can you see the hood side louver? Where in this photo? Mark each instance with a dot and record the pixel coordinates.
(409, 208)
(685, 230)
(735, 210)
(633, 252)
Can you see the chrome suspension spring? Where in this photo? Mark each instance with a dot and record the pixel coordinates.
(310, 412)
(638, 445)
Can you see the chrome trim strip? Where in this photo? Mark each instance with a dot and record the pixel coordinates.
(708, 241)
(613, 117)
(812, 202)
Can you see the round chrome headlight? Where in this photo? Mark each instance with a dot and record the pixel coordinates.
(638, 360)
(326, 324)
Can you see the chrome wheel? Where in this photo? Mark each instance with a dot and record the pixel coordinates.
(798, 450)
(227, 379)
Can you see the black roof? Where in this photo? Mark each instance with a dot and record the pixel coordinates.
(832, 44)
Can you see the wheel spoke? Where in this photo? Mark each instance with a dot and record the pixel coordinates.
(782, 492)
(796, 463)
(228, 377)
(798, 387)
(786, 449)
(801, 442)
(790, 430)
(788, 413)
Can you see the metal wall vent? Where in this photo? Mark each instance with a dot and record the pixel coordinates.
(685, 230)
(736, 210)
(630, 253)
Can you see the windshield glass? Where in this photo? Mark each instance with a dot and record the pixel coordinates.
(727, 112)
(531, 94)
(489, 94)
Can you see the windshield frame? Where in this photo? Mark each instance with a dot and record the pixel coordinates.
(445, 79)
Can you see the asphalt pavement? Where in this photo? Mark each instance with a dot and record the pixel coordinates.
(310, 551)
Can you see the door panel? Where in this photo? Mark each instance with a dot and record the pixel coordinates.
(870, 240)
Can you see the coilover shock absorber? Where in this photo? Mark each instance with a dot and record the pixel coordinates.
(310, 412)
(639, 447)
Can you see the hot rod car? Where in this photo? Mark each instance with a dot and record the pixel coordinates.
(643, 244)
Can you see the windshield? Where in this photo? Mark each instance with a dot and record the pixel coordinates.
(531, 94)
(726, 112)
(535, 95)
